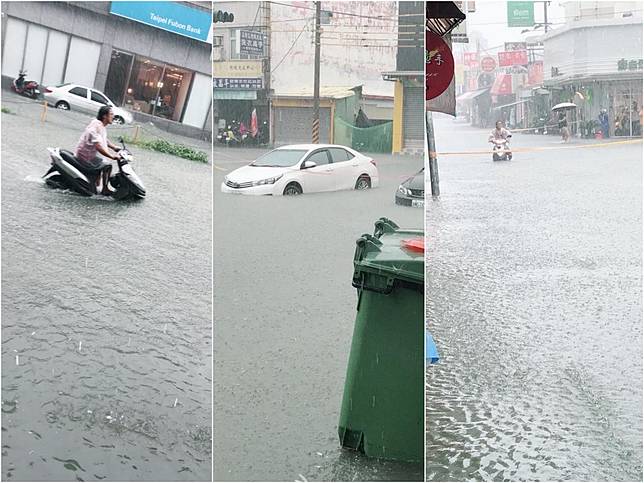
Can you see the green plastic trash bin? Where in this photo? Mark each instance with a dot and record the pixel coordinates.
(382, 412)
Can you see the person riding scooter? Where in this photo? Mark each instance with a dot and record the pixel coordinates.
(500, 134)
(94, 140)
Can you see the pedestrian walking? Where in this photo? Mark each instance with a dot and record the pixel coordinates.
(563, 127)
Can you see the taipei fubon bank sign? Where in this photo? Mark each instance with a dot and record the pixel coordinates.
(171, 16)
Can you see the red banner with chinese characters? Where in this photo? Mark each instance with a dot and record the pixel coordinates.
(514, 57)
(502, 85)
(439, 65)
(535, 73)
(470, 59)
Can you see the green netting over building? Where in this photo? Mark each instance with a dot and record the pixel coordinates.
(375, 139)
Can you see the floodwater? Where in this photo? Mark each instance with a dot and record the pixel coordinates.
(106, 317)
(535, 302)
(284, 315)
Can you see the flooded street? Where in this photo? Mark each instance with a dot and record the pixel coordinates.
(534, 300)
(106, 327)
(284, 315)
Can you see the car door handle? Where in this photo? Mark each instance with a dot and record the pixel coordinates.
(355, 165)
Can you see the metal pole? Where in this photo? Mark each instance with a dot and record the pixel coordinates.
(545, 16)
(433, 161)
(316, 80)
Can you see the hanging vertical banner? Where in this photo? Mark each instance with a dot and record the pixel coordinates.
(440, 91)
(445, 100)
(439, 65)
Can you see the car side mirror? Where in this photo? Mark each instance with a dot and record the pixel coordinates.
(309, 164)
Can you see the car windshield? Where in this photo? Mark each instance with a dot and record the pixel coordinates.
(280, 158)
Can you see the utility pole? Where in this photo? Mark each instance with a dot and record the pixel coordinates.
(545, 16)
(433, 161)
(316, 80)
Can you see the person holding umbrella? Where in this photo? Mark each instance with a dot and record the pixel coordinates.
(563, 127)
(603, 122)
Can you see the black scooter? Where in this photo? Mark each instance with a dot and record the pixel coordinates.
(66, 172)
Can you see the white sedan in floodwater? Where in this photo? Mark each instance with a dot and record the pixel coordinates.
(304, 168)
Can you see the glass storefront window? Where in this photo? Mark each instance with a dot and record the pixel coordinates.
(172, 93)
(143, 85)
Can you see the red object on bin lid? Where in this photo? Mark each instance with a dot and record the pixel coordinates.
(415, 244)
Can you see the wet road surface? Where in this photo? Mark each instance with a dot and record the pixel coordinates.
(106, 316)
(535, 303)
(284, 314)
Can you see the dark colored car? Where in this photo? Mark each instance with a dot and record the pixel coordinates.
(412, 191)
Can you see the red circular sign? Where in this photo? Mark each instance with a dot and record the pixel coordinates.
(488, 64)
(439, 65)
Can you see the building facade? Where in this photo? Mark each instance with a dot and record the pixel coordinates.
(409, 80)
(606, 69)
(241, 63)
(152, 58)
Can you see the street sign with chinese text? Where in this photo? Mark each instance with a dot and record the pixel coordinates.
(238, 68)
(633, 64)
(237, 83)
(515, 46)
(250, 42)
(488, 64)
(535, 73)
(514, 57)
(439, 65)
(470, 59)
(520, 14)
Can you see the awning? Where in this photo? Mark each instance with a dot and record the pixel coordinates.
(513, 104)
(469, 96)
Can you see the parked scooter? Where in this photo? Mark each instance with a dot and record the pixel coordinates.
(542, 126)
(501, 150)
(24, 87)
(66, 172)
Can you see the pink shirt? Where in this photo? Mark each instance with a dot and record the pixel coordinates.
(95, 132)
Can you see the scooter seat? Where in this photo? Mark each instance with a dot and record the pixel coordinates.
(71, 159)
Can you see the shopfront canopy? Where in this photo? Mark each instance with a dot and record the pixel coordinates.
(471, 95)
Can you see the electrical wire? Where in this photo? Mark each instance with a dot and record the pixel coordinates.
(290, 48)
(349, 14)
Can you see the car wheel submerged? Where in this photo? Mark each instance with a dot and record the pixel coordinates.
(292, 189)
(363, 183)
(62, 105)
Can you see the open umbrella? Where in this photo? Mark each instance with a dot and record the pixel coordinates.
(564, 105)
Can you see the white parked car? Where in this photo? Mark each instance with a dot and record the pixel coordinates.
(86, 99)
(303, 168)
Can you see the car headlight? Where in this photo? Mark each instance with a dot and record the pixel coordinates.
(404, 191)
(262, 182)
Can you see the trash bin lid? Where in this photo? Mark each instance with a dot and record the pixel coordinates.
(390, 254)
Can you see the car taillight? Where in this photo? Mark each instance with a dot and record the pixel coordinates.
(373, 161)
(415, 244)
(48, 90)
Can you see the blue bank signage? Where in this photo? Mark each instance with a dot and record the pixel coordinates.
(171, 16)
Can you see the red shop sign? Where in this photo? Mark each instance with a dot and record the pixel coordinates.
(514, 57)
(439, 65)
(470, 59)
(488, 64)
